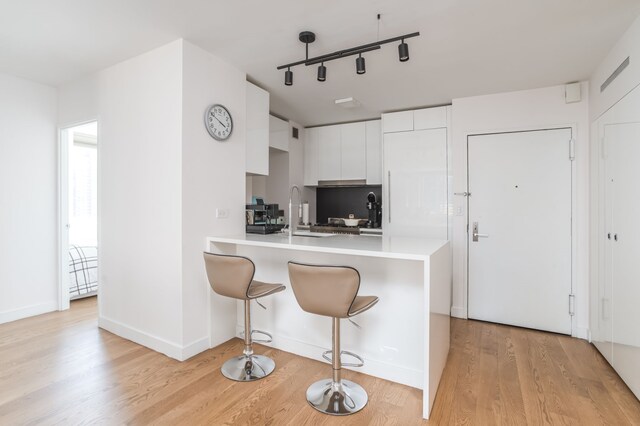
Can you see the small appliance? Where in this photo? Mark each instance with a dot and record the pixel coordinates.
(375, 213)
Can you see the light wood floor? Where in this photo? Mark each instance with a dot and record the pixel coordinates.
(59, 368)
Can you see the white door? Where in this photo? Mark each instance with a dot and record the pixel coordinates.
(415, 184)
(622, 148)
(520, 211)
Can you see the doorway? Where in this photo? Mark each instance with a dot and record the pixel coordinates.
(520, 228)
(78, 213)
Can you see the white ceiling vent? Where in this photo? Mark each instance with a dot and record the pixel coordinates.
(347, 102)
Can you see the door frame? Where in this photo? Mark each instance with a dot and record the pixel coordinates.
(63, 209)
(573, 127)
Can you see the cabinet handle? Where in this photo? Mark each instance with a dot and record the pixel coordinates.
(609, 236)
(615, 237)
(389, 193)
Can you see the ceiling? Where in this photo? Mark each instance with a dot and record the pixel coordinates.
(465, 48)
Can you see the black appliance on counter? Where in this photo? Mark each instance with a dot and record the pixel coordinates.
(262, 218)
(375, 213)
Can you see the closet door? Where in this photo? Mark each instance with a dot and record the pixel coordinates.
(622, 143)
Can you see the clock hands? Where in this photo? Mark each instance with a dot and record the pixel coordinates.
(220, 121)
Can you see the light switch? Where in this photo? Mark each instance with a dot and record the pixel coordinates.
(222, 213)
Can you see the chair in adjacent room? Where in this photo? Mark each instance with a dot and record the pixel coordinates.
(332, 291)
(232, 276)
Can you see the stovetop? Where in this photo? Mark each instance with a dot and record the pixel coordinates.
(335, 229)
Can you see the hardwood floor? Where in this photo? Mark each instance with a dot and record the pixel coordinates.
(59, 368)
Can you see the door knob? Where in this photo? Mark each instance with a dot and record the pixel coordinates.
(476, 235)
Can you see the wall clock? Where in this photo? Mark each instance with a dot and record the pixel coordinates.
(218, 122)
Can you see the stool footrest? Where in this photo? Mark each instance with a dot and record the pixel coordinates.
(326, 355)
(268, 340)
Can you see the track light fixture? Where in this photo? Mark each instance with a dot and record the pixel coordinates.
(360, 68)
(403, 51)
(307, 37)
(322, 72)
(288, 77)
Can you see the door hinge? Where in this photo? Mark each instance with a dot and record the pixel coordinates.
(572, 149)
(572, 304)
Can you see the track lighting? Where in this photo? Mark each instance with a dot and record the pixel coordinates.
(288, 77)
(322, 72)
(403, 51)
(360, 68)
(307, 37)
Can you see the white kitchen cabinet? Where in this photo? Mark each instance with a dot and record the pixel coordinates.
(353, 147)
(397, 121)
(329, 153)
(278, 133)
(616, 239)
(429, 118)
(311, 157)
(414, 192)
(257, 157)
(373, 136)
(419, 119)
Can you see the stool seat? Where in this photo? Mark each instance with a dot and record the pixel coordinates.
(361, 304)
(232, 276)
(260, 289)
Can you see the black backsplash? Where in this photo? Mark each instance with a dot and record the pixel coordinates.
(340, 202)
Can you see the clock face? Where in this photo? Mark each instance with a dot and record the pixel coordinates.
(218, 122)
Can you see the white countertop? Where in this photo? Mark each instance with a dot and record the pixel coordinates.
(357, 245)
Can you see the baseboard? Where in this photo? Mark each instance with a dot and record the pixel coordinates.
(581, 333)
(28, 311)
(392, 372)
(143, 338)
(194, 348)
(458, 312)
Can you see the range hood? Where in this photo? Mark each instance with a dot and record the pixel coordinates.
(341, 183)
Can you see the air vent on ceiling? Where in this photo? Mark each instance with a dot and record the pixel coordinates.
(294, 132)
(615, 74)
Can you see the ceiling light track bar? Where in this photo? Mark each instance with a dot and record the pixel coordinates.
(347, 52)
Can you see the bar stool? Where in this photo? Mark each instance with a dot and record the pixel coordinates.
(232, 276)
(332, 291)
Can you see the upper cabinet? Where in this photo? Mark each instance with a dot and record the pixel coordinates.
(257, 158)
(374, 152)
(353, 148)
(343, 152)
(278, 133)
(420, 119)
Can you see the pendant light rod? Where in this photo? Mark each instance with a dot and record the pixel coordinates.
(326, 58)
(347, 52)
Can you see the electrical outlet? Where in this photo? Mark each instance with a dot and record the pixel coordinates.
(459, 211)
(222, 213)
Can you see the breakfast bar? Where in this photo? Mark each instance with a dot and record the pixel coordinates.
(405, 339)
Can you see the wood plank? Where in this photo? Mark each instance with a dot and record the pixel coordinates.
(60, 368)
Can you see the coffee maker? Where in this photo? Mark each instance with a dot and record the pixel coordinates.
(375, 214)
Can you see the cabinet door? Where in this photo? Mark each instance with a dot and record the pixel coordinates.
(374, 152)
(257, 158)
(278, 133)
(622, 153)
(415, 184)
(397, 121)
(353, 145)
(329, 153)
(430, 118)
(311, 157)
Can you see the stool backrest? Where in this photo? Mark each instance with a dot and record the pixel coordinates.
(229, 275)
(324, 290)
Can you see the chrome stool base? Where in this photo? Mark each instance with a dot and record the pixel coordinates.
(248, 368)
(337, 398)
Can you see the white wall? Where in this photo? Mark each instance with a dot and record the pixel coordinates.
(628, 45)
(161, 178)
(523, 110)
(140, 169)
(28, 203)
(213, 176)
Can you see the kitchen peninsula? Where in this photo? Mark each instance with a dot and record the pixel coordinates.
(405, 339)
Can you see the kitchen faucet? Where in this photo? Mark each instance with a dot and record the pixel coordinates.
(291, 230)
